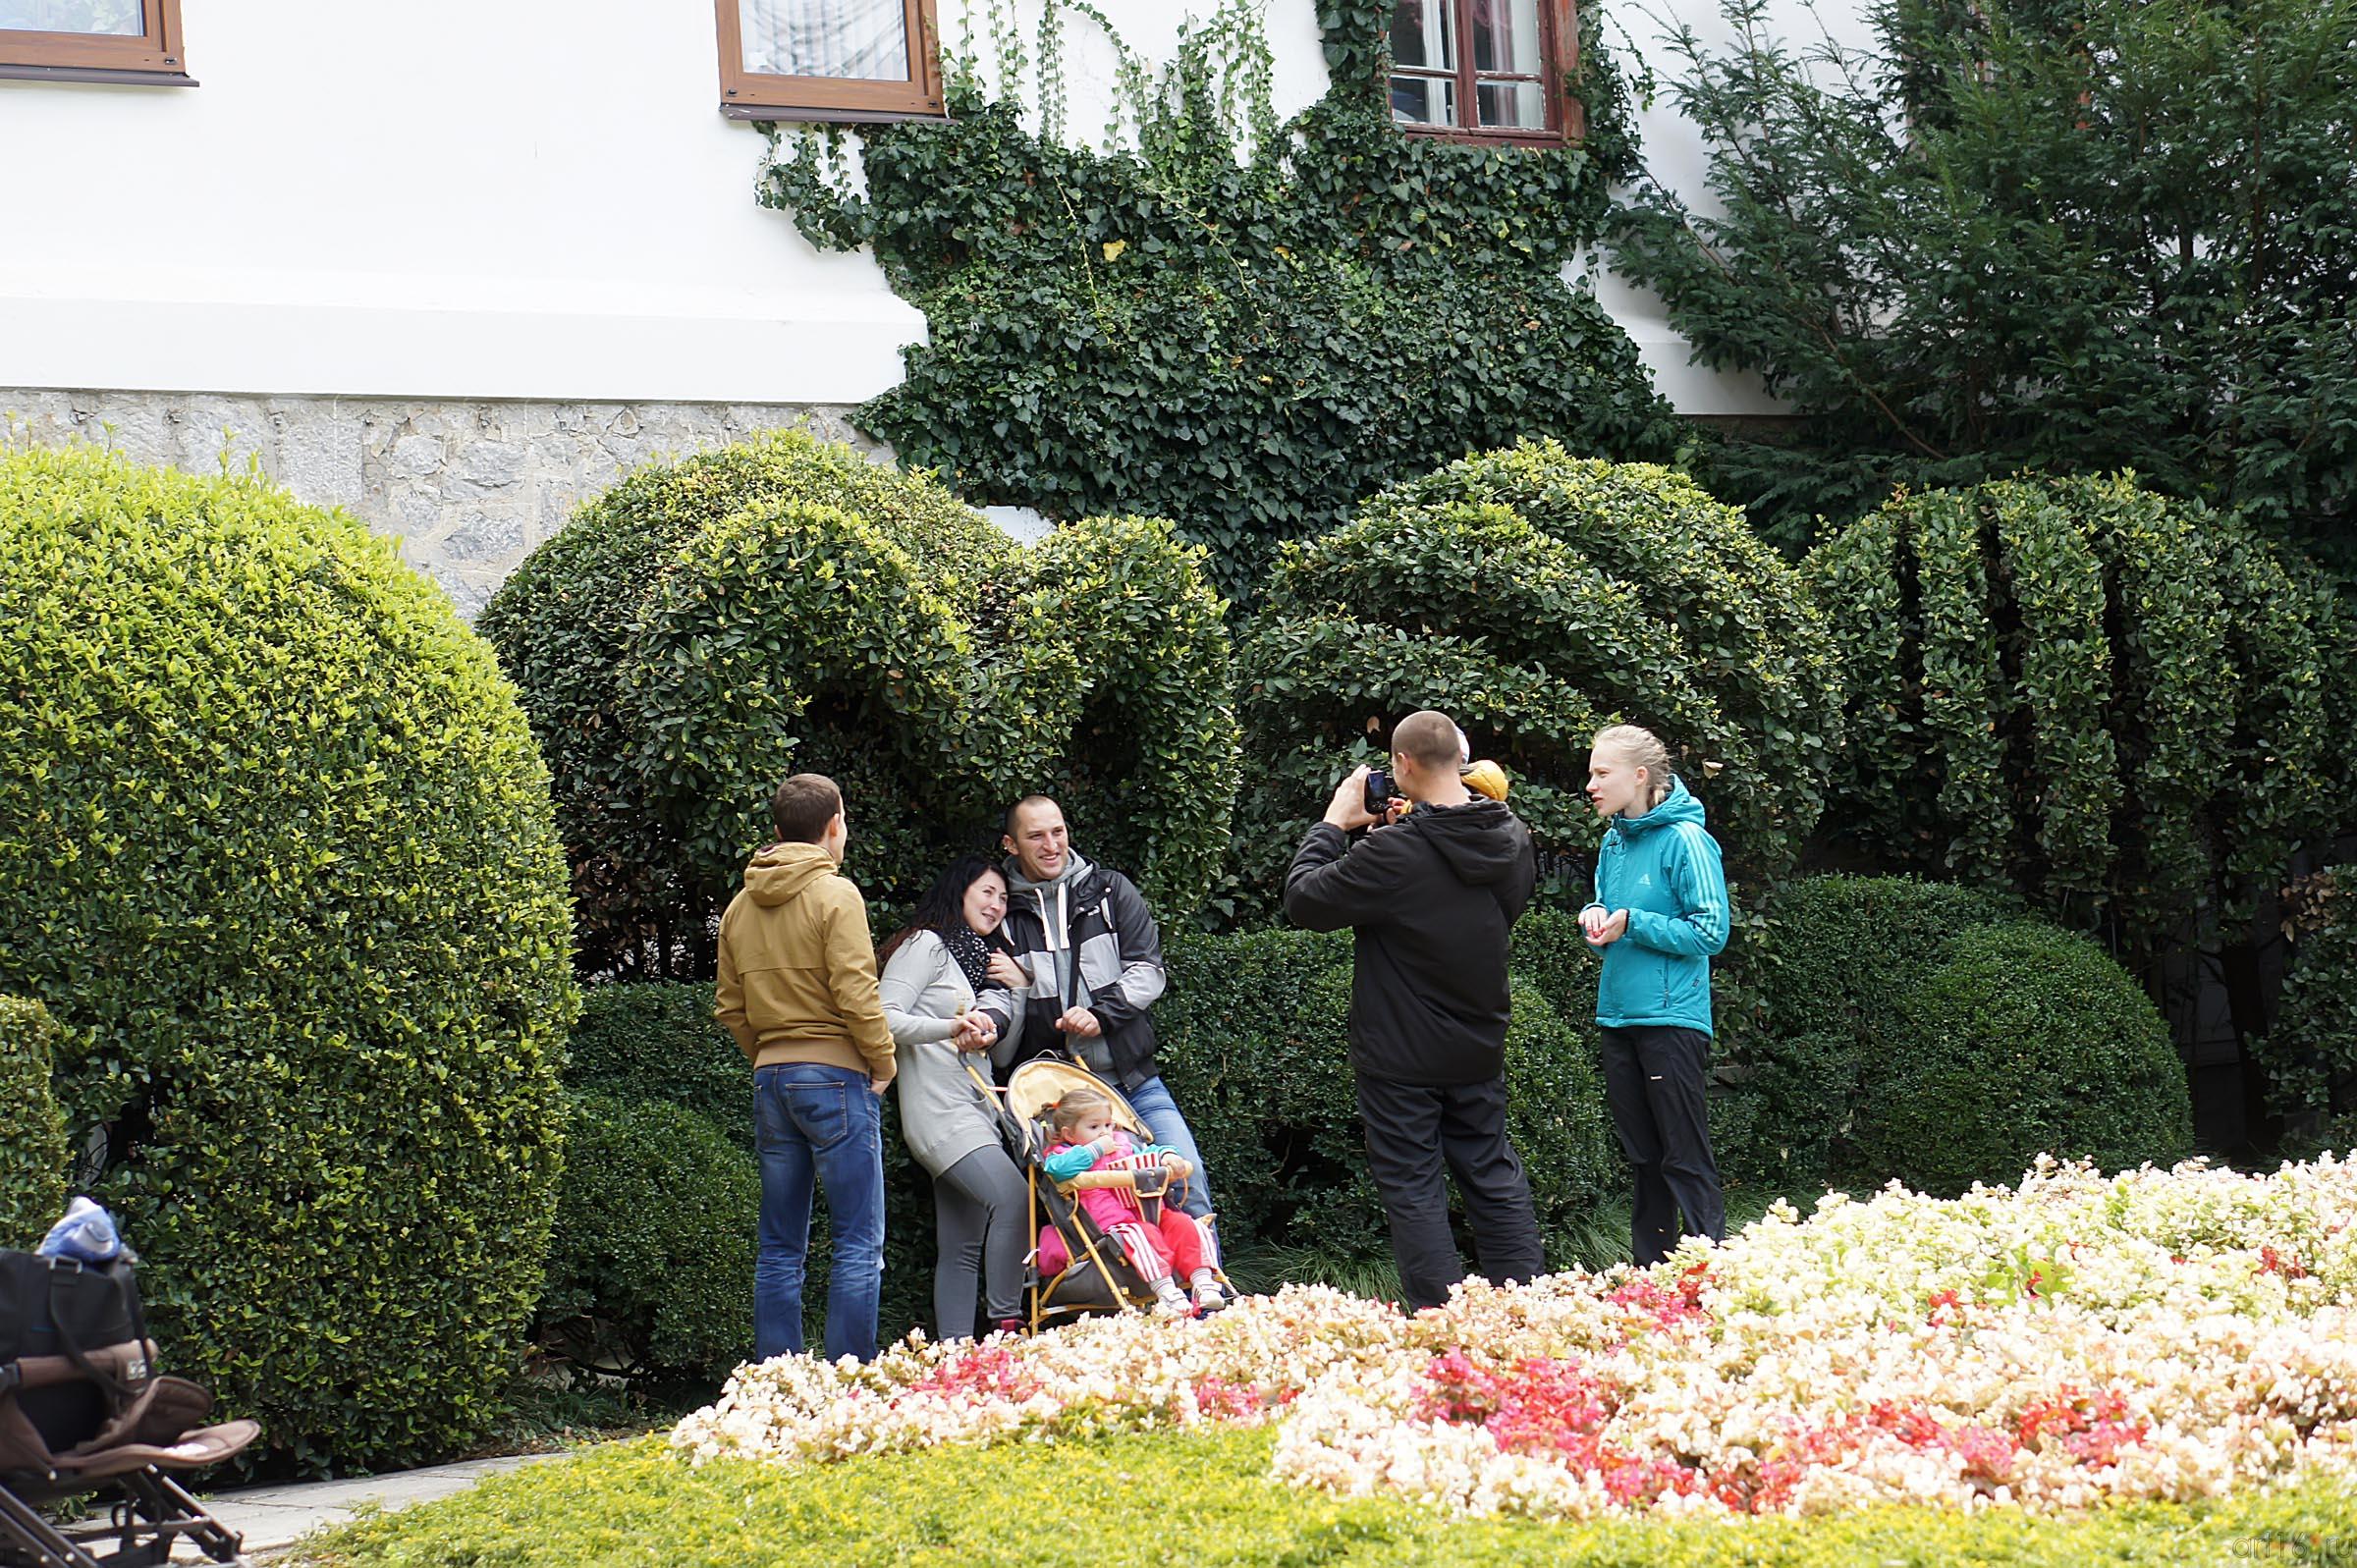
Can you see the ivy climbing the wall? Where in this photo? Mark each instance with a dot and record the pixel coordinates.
(1243, 326)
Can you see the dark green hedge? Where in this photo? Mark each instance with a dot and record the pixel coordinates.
(1536, 596)
(1926, 1032)
(650, 1265)
(2026, 1040)
(1256, 1052)
(655, 1045)
(275, 850)
(708, 627)
(33, 1137)
(659, 1042)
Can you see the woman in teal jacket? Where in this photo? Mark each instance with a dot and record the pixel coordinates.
(1660, 914)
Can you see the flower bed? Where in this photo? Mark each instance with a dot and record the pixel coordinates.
(2167, 1335)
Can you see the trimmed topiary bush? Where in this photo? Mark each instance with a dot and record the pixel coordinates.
(2119, 707)
(1536, 596)
(32, 1139)
(2025, 1041)
(705, 628)
(651, 1266)
(1256, 1051)
(1928, 1033)
(275, 850)
(655, 1043)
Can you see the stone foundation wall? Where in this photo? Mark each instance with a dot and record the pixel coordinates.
(468, 488)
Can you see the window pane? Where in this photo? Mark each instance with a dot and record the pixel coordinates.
(1424, 100)
(114, 19)
(1423, 34)
(864, 40)
(1519, 104)
(1506, 35)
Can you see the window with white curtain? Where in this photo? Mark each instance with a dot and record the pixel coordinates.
(827, 59)
(1491, 70)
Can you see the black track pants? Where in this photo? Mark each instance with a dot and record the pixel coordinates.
(1412, 1131)
(1653, 1080)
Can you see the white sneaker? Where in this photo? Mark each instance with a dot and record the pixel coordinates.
(1209, 1297)
(1170, 1302)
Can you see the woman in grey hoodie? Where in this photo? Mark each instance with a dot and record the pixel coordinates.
(934, 967)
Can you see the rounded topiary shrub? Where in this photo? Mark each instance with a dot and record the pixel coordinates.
(1536, 597)
(707, 627)
(279, 859)
(642, 1043)
(32, 1138)
(2025, 1041)
(2112, 703)
(650, 1266)
(1255, 1048)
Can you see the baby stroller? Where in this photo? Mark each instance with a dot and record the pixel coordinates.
(1076, 1268)
(83, 1419)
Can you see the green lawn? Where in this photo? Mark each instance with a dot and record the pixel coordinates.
(1204, 1498)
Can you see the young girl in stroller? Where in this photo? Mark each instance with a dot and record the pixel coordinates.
(1086, 1138)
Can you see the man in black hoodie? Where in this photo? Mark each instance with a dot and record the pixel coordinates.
(1430, 897)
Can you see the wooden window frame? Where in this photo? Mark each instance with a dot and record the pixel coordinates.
(1559, 52)
(155, 58)
(756, 95)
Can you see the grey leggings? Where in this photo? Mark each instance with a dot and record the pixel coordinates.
(980, 1210)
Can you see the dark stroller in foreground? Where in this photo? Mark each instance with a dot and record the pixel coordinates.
(1075, 1267)
(94, 1426)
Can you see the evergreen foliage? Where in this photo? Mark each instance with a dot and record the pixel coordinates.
(275, 851)
(33, 1140)
(1243, 326)
(1535, 597)
(2024, 235)
(650, 1265)
(2119, 707)
(2311, 1050)
(707, 627)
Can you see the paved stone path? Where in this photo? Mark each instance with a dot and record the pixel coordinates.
(272, 1518)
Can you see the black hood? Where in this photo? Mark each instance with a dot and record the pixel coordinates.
(1481, 841)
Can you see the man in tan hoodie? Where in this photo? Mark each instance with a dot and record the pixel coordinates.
(797, 988)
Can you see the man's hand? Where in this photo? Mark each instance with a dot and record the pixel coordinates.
(877, 1086)
(1176, 1165)
(975, 1032)
(1005, 971)
(1080, 1021)
(1348, 807)
(1604, 930)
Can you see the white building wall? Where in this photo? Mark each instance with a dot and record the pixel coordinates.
(401, 219)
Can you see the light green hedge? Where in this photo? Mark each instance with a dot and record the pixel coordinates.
(1206, 1497)
(707, 626)
(33, 1134)
(276, 852)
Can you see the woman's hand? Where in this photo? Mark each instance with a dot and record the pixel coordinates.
(1005, 971)
(1604, 930)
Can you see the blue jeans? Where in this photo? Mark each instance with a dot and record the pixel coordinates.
(813, 1120)
(1154, 1106)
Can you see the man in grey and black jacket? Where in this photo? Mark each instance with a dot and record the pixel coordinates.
(1085, 935)
(1431, 899)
